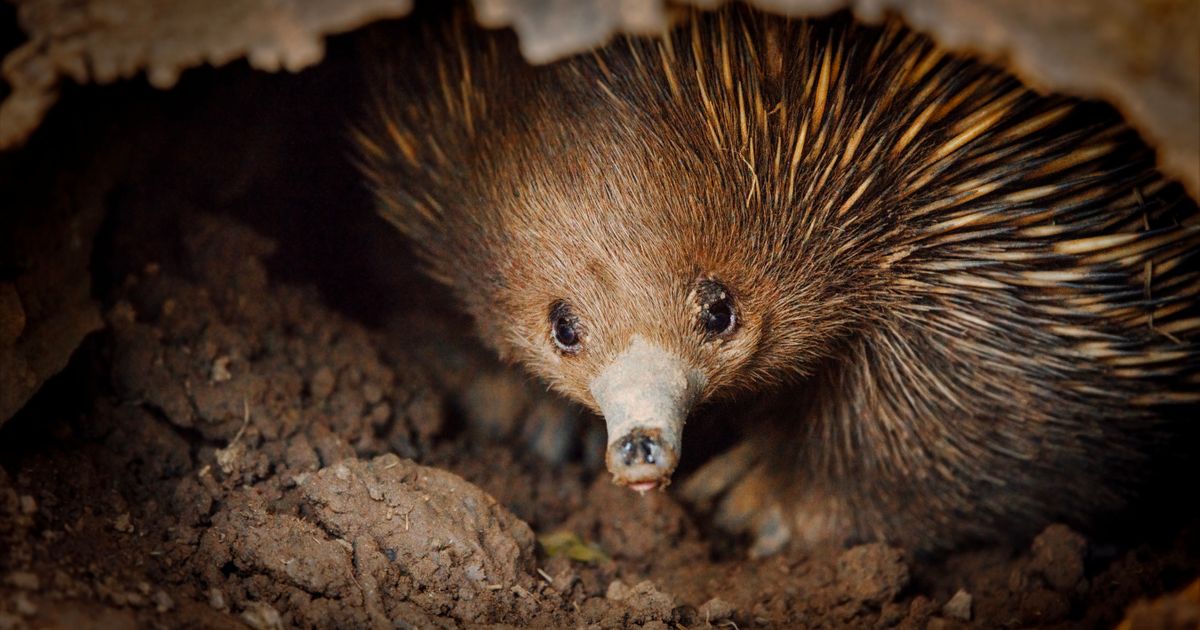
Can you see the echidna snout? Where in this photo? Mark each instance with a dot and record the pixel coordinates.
(645, 395)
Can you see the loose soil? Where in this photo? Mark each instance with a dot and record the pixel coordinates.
(231, 451)
(244, 445)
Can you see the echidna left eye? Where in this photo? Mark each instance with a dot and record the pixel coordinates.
(718, 318)
(717, 314)
(565, 329)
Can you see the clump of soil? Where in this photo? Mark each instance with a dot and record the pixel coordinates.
(231, 451)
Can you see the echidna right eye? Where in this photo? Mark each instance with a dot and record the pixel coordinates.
(718, 316)
(565, 328)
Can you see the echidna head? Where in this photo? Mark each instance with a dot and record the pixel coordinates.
(618, 253)
(642, 290)
(648, 374)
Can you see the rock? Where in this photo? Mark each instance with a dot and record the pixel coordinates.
(24, 580)
(873, 574)
(716, 609)
(1058, 556)
(959, 606)
(644, 598)
(448, 535)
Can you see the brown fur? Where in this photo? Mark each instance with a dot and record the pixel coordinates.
(982, 299)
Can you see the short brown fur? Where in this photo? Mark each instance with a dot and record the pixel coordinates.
(981, 299)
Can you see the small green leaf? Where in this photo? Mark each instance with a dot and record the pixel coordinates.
(565, 543)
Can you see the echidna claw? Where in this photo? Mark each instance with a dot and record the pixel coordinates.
(744, 499)
(718, 475)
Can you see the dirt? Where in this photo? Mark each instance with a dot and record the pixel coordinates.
(232, 451)
(280, 424)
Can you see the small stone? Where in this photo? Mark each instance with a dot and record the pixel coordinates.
(716, 609)
(219, 373)
(28, 505)
(322, 383)
(228, 457)
(380, 413)
(300, 455)
(959, 606)
(262, 616)
(617, 591)
(873, 574)
(216, 599)
(23, 605)
(372, 393)
(1058, 556)
(123, 523)
(163, 602)
(643, 597)
(23, 580)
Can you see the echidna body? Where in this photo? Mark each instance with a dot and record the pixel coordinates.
(979, 302)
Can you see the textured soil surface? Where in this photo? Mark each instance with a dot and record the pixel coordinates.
(232, 451)
(281, 425)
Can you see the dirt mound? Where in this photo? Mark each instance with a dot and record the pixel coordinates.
(229, 450)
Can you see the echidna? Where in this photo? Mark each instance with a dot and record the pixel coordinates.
(978, 302)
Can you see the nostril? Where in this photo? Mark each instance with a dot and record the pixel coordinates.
(649, 450)
(628, 450)
(639, 449)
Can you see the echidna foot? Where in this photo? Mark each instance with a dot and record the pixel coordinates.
(744, 497)
(718, 475)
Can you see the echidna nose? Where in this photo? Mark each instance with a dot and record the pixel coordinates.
(645, 395)
(639, 449)
(639, 459)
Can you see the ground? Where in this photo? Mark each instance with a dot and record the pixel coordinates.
(231, 450)
(280, 424)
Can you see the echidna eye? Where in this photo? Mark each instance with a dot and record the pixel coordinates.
(717, 314)
(718, 317)
(565, 329)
